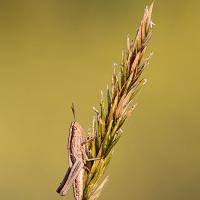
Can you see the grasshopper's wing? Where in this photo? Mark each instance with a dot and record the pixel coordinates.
(70, 177)
(68, 147)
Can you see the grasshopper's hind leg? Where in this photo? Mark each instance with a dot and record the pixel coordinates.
(70, 177)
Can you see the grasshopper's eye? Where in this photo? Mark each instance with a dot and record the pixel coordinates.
(74, 128)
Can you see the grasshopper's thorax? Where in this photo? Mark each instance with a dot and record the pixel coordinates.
(76, 147)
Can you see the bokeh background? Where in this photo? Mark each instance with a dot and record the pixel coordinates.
(56, 52)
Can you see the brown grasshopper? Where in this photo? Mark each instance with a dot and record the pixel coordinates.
(77, 161)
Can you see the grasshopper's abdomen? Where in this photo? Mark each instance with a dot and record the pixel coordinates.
(78, 186)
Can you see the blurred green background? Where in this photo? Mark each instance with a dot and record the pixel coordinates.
(53, 53)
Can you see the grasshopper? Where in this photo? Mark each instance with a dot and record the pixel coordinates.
(77, 158)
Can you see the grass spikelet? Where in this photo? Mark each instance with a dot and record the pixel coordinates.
(116, 106)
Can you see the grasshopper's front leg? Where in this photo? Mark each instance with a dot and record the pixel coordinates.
(88, 139)
(85, 141)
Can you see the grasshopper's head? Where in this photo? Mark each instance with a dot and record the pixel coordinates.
(77, 129)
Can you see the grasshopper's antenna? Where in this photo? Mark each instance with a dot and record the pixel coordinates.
(73, 111)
